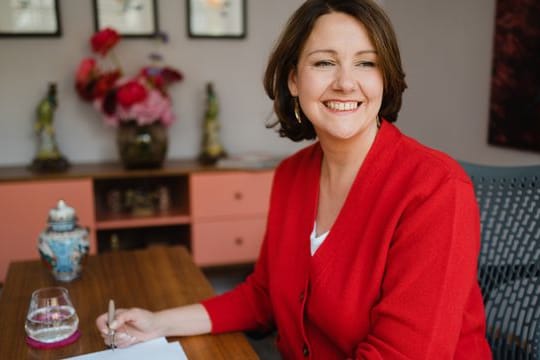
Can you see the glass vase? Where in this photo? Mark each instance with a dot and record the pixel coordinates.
(142, 146)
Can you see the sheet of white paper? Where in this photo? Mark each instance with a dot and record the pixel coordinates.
(153, 349)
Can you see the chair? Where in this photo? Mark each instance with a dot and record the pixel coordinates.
(509, 262)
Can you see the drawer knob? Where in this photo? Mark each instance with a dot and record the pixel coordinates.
(238, 195)
(238, 241)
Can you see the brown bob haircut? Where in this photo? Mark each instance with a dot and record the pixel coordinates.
(286, 53)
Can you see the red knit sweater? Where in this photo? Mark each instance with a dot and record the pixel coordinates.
(394, 279)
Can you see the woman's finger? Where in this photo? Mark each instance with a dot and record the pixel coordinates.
(101, 320)
(123, 339)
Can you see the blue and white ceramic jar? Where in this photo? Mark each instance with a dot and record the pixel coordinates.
(63, 245)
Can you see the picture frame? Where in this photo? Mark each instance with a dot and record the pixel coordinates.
(514, 107)
(130, 18)
(214, 19)
(30, 18)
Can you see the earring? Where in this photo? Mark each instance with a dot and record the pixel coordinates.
(297, 110)
(378, 122)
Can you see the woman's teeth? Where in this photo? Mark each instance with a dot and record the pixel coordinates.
(342, 106)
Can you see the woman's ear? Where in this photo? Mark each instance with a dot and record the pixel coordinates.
(293, 88)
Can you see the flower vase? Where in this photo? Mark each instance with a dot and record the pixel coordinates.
(142, 146)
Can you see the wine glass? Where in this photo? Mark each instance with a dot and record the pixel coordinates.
(51, 316)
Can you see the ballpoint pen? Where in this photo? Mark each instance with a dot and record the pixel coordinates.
(110, 319)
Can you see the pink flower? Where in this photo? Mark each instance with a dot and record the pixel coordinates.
(155, 107)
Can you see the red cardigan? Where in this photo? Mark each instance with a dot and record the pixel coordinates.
(394, 279)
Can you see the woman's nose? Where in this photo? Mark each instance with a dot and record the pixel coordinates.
(345, 80)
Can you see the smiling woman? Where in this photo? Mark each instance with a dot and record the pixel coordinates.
(372, 239)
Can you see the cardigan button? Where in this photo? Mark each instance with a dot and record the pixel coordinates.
(305, 350)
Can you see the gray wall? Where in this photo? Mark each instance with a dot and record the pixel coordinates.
(447, 51)
(446, 48)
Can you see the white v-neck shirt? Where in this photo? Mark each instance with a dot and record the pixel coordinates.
(316, 241)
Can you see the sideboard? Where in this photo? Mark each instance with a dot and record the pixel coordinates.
(219, 214)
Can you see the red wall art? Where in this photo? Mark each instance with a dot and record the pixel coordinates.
(515, 84)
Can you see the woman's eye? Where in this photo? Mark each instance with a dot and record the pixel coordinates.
(323, 63)
(366, 64)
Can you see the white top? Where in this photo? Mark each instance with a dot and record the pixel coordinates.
(316, 241)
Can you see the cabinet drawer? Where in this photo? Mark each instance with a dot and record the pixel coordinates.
(227, 242)
(226, 194)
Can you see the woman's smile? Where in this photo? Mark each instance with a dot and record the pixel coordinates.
(340, 106)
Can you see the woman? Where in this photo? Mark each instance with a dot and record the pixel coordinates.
(372, 239)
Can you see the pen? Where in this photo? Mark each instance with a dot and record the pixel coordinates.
(110, 319)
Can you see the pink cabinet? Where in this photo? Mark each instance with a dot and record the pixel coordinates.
(219, 213)
(227, 241)
(24, 210)
(228, 212)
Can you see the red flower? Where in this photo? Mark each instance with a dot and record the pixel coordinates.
(84, 78)
(109, 103)
(130, 93)
(91, 83)
(86, 70)
(105, 82)
(160, 77)
(104, 40)
(171, 75)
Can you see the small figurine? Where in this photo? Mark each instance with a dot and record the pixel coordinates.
(212, 150)
(163, 197)
(48, 157)
(140, 202)
(114, 201)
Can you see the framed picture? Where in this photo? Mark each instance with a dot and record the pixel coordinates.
(30, 18)
(514, 111)
(216, 18)
(130, 18)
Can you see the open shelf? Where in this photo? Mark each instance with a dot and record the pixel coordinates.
(141, 202)
(136, 238)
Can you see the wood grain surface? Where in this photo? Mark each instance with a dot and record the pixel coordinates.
(155, 278)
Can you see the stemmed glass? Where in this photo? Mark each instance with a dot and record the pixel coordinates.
(51, 316)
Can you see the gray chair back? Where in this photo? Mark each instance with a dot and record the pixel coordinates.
(509, 262)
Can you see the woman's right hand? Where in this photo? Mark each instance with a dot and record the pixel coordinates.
(131, 326)
(137, 325)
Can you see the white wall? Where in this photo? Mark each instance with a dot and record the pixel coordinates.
(446, 48)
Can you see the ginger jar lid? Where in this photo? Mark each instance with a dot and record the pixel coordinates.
(62, 217)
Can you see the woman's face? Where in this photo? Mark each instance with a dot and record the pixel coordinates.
(338, 80)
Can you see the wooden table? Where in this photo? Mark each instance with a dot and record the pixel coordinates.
(154, 278)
